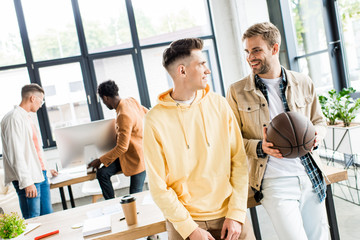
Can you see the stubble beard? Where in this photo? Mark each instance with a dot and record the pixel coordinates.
(265, 68)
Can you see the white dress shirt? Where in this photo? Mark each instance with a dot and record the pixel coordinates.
(21, 161)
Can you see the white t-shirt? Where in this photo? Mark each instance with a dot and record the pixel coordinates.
(189, 102)
(279, 167)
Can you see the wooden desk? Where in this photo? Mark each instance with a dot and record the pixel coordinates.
(150, 221)
(68, 183)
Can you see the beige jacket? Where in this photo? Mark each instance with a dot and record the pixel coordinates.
(252, 113)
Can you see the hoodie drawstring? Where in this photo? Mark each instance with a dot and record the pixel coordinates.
(203, 119)
(181, 120)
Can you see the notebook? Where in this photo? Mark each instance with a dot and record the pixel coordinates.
(97, 225)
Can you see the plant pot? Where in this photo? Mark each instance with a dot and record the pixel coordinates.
(343, 139)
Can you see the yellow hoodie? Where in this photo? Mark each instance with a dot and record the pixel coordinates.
(195, 160)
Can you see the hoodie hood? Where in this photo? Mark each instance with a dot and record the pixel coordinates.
(166, 100)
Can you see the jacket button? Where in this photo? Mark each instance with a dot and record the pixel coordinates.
(264, 125)
(263, 104)
(261, 165)
(257, 185)
(249, 109)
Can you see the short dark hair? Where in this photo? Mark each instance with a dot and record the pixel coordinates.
(179, 49)
(268, 31)
(31, 88)
(108, 88)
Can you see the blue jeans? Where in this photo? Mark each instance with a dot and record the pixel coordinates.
(40, 205)
(104, 174)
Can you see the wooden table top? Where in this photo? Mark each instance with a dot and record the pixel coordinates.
(88, 177)
(150, 221)
(150, 218)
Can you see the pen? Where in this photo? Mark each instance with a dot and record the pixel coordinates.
(46, 235)
(123, 218)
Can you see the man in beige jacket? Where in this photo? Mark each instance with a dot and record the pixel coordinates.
(291, 190)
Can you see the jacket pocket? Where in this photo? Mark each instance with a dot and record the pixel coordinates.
(250, 114)
(301, 103)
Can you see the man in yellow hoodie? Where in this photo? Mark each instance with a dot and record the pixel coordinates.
(194, 153)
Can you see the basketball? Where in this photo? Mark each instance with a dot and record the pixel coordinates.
(292, 133)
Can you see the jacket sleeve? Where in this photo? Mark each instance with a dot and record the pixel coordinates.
(317, 117)
(249, 144)
(164, 196)
(125, 124)
(239, 177)
(16, 155)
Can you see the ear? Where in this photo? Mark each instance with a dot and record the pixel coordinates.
(32, 98)
(275, 48)
(181, 70)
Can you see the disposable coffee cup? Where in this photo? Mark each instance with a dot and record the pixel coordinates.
(128, 204)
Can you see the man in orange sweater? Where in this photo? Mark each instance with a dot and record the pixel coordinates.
(127, 156)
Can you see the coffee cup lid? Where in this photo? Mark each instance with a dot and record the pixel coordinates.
(127, 199)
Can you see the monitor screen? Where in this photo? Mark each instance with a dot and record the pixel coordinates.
(80, 144)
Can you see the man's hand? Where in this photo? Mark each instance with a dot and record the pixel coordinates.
(95, 164)
(31, 191)
(316, 142)
(232, 229)
(266, 147)
(200, 234)
(53, 172)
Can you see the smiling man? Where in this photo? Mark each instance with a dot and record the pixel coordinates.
(291, 190)
(194, 153)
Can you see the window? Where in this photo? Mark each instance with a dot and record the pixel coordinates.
(121, 70)
(312, 50)
(350, 22)
(10, 92)
(73, 45)
(66, 108)
(175, 20)
(50, 90)
(51, 29)
(11, 51)
(106, 25)
(77, 86)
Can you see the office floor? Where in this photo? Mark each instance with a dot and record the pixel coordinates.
(348, 217)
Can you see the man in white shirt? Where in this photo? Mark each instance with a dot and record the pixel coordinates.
(22, 153)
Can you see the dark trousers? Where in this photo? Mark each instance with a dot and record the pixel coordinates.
(104, 174)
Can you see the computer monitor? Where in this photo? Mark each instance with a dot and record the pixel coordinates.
(80, 144)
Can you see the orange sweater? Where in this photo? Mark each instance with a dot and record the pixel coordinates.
(129, 131)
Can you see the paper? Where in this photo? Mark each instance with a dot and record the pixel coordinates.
(108, 210)
(30, 227)
(97, 225)
(112, 209)
(61, 177)
(69, 173)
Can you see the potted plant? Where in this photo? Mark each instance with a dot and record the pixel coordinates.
(341, 106)
(12, 226)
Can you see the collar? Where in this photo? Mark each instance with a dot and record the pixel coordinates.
(259, 82)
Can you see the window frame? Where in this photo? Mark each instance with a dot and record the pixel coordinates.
(280, 13)
(87, 66)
